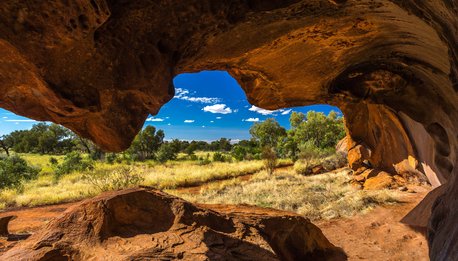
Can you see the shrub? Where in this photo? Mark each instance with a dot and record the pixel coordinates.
(53, 161)
(193, 157)
(335, 161)
(204, 161)
(110, 158)
(14, 170)
(218, 156)
(302, 167)
(308, 150)
(270, 159)
(166, 152)
(72, 162)
(106, 179)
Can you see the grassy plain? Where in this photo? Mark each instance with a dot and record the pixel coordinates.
(323, 196)
(46, 190)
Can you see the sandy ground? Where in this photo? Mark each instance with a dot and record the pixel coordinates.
(377, 235)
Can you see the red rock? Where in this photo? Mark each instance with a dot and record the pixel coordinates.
(142, 224)
(390, 66)
(4, 221)
(380, 180)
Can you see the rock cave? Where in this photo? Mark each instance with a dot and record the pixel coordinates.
(391, 66)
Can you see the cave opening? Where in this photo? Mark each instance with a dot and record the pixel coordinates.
(390, 66)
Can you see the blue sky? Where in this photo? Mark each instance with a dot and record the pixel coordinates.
(207, 106)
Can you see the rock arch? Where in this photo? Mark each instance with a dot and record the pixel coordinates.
(390, 65)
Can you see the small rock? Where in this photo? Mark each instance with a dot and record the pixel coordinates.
(382, 180)
(403, 188)
(4, 221)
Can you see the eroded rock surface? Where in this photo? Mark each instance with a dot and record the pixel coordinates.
(142, 224)
(390, 65)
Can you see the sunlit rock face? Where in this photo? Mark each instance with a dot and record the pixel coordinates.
(391, 66)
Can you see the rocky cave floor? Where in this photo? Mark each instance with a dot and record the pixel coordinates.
(376, 235)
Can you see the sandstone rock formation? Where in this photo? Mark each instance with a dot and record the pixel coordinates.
(142, 224)
(390, 65)
(4, 221)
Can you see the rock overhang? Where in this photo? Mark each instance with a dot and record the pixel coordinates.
(390, 66)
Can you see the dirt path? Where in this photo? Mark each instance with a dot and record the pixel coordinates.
(198, 188)
(376, 235)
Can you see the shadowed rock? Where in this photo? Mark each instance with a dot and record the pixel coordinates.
(142, 224)
(4, 221)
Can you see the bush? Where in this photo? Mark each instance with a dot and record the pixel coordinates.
(14, 170)
(110, 158)
(166, 152)
(270, 159)
(72, 162)
(302, 167)
(335, 161)
(218, 156)
(193, 157)
(308, 150)
(106, 179)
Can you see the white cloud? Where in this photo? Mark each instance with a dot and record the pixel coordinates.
(5, 117)
(167, 117)
(235, 141)
(252, 120)
(154, 119)
(188, 121)
(179, 92)
(285, 112)
(261, 111)
(218, 118)
(169, 124)
(218, 108)
(183, 94)
(212, 121)
(16, 121)
(203, 126)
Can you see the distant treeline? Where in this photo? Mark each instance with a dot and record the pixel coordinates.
(314, 131)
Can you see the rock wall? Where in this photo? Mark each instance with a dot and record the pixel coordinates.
(390, 65)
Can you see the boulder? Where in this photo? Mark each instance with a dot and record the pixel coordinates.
(145, 224)
(4, 221)
(357, 155)
(378, 180)
(342, 145)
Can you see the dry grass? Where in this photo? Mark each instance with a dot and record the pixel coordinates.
(74, 186)
(186, 174)
(324, 196)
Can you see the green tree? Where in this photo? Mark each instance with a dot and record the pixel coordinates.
(296, 119)
(324, 131)
(166, 152)
(268, 133)
(6, 143)
(246, 150)
(147, 142)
